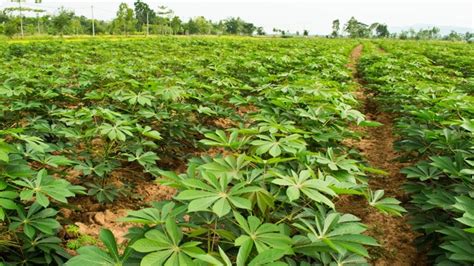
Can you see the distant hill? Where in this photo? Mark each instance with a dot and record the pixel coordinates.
(443, 29)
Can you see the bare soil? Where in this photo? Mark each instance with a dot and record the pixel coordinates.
(90, 216)
(394, 234)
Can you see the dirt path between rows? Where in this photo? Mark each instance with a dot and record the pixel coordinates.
(393, 233)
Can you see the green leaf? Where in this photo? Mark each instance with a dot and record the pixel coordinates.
(109, 241)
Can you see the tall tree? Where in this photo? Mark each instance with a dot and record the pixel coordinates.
(76, 26)
(191, 27)
(11, 27)
(233, 25)
(248, 28)
(356, 29)
(382, 31)
(176, 25)
(336, 24)
(203, 25)
(372, 29)
(143, 14)
(125, 18)
(62, 20)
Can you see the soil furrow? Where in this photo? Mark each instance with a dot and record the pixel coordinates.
(393, 233)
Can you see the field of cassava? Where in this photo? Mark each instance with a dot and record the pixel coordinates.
(236, 151)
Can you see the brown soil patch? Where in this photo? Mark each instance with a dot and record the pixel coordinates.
(394, 234)
(91, 216)
(243, 110)
(224, 123)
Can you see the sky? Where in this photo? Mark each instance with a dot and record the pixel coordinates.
(313, 15)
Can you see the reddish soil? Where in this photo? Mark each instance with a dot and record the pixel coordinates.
(91, 216)
(393, 233)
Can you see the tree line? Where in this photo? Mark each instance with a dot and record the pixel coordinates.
(356, 29)
(129, 20)
(143, 19)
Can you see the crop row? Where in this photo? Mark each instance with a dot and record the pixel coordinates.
(259, 122)
(432, 98)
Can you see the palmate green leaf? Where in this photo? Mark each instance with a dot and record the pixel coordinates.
(264, 236)
(224, 257)
(52, 160)
(335, 162)
(269, 257)
(385, 205)
(44, 186)
(36, 219)
(216, 193)
(148, 132)
(145, 159)
(153, 216)
(119, 131)
(446, 164)
(270, 144)
(231, 165)
(465, 205)
(172, 94)
(468, 124)
(458, 247)
(5, 149)
(422, 171)
(167, 249)
(219, 138)
(7, 198)
(306, 183)
(340, 233)
(92, 255)
(36, 143)
(143, 98)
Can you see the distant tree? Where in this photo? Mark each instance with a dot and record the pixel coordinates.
(62, 20)
(248, 28)
(426, 34)
(335, 28)
(435, 32)
(191, 27)
(372, 28)
(76, 26)
(233, 25)
(356, 29)
(382, 31)
(282, 32)
(260, 31)
(468, 36)
(203, 25)
(125, 18)
(305, 33)
(141, 11)
(453, 36)
(12, 27)
(176, 25)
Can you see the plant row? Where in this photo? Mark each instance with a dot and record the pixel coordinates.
(267, 116)
(433, 101)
